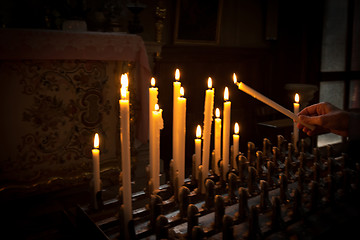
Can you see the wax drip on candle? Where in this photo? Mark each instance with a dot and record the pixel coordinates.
(96, 140)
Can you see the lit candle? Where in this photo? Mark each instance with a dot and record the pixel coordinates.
(270, 103)
(236, 138)
(158, 124)
(181, 132)
(153, 100)
(226, 132)
(296, 130)
(208, 114)
(125, 152)
(217, 140)
(96, 164)
(197, 151)
(176, 95)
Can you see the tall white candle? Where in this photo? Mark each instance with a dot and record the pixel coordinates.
(226, 132)
(158, 124)
(197, 151)
(295, 129)
(175, 137)
(181, 132)
(153, 100)
(217, 140)
(96, 164)
(125, 153)
(208, 114)
(270, 103)
(236, 138)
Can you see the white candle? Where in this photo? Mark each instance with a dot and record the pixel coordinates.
(197, 151)
(226, 132)
(296, 130)
(153, 100)
(217, 140)
(236, 138)
(270, 103)
(181, 132)
(158, 124)
(96, 164)
(125, 153)
(208, 114)
(176, 95)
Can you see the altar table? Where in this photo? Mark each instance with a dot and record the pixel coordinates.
(58, 89)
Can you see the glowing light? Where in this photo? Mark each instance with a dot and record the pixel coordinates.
(234, 78)
(209, 83)
(152, 82)
(297, 98)
(226, 94)
(124, 80)
(182, 91)
(236, 128)
(217, 112)
(177, 74)
(198, 131)
(96, 140)
(157, 107)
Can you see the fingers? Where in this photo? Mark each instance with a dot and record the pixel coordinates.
(313, 110)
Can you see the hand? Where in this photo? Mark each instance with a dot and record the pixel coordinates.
(326, 118)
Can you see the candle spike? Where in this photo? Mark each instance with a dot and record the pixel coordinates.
(219, 212)
(192, 218)
(228, 227)
(209, 194)
(162, 227)
(243, 209)
(183, 201)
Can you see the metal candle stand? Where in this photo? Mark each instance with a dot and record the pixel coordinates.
(269, 194)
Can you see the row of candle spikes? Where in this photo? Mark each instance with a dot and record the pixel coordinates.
(201, 156)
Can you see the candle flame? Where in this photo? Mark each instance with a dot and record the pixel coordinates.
(236, 128)
(123, 92)
(217, 112)
(198, 131)
(182, 91)
(297, 98)
(124, 80)
(234, 78)
(156, 107)
(177, 74)
(152, 82)
(226, 94)
(209, 83)
(96, 140)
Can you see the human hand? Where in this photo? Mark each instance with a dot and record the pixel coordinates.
(326, 118)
